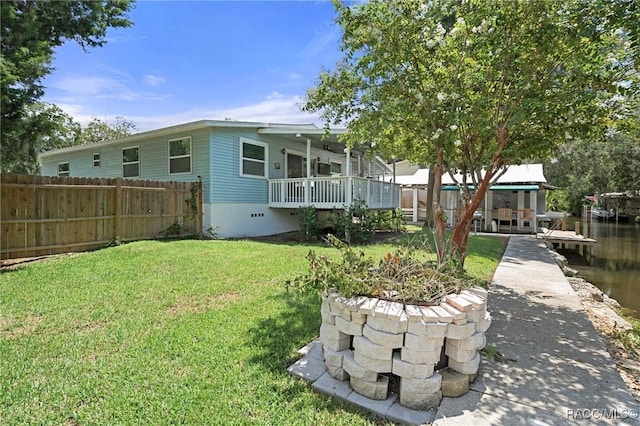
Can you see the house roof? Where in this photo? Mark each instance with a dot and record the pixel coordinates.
(516, 174)
(267, 128)
(530, 173)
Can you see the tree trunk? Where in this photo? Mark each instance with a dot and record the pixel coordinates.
(461, 231)
(438, 211)
(458, 249)
(431, 188)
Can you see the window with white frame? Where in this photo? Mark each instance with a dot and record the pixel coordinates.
(63, 169)
(336, 169)
(180, 155)
(96, 160)
(253, 158)
(131, 162)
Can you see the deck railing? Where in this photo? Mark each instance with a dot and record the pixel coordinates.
(333, 192)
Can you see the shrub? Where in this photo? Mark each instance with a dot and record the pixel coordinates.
(558, 200)
(391, 220)
(356, 224)
(310, 225)
(399, 276)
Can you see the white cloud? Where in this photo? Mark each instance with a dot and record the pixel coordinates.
(275, 108)
(76, 111)
(100, 87)
(153, 80)
(320, 41)
(275, 95)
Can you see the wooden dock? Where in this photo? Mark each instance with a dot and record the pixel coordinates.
(565, 237)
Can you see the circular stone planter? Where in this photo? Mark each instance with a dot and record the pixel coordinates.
(368, 341)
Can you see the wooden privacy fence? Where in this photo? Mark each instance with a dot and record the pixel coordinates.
(42, 215)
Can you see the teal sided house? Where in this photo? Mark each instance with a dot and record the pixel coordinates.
(255, 175)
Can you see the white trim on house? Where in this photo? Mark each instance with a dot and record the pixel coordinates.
(242, 158)
(177, 157)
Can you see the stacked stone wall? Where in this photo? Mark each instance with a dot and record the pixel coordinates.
(368, 340)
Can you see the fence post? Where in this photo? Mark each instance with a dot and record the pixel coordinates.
(118, 212)
(200, 223)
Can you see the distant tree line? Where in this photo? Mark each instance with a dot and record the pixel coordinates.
(591, 167)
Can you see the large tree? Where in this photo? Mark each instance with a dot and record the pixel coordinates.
(45, 127)
(30, 31)
(98, 130)
(42, 127)
(583, 168)
(473, 86)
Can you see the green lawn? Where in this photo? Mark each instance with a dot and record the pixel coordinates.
(195, 332)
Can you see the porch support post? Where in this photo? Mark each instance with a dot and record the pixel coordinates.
(394, 172)
(533, 204)
(308, 158)
(307, 184)
(349, 194)
(415, 204)
(520, 207)
(489, 218)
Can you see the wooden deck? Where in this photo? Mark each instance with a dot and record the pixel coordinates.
(565, 237)
(333, 192)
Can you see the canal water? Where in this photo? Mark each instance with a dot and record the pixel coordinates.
(614, 266)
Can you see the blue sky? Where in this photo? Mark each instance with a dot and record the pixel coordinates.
(190, 60)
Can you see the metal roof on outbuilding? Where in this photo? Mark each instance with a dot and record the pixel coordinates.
(529, 175)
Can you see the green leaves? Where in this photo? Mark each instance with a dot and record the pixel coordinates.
(412, 71)
(29, 34)
(101, 130)
(43, 127)
(487, 83)
(400, 275)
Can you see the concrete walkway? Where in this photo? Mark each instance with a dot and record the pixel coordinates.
(557, 370)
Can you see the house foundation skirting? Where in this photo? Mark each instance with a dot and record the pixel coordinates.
(231, 220)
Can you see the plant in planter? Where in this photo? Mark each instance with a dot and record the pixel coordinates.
(399, 317)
